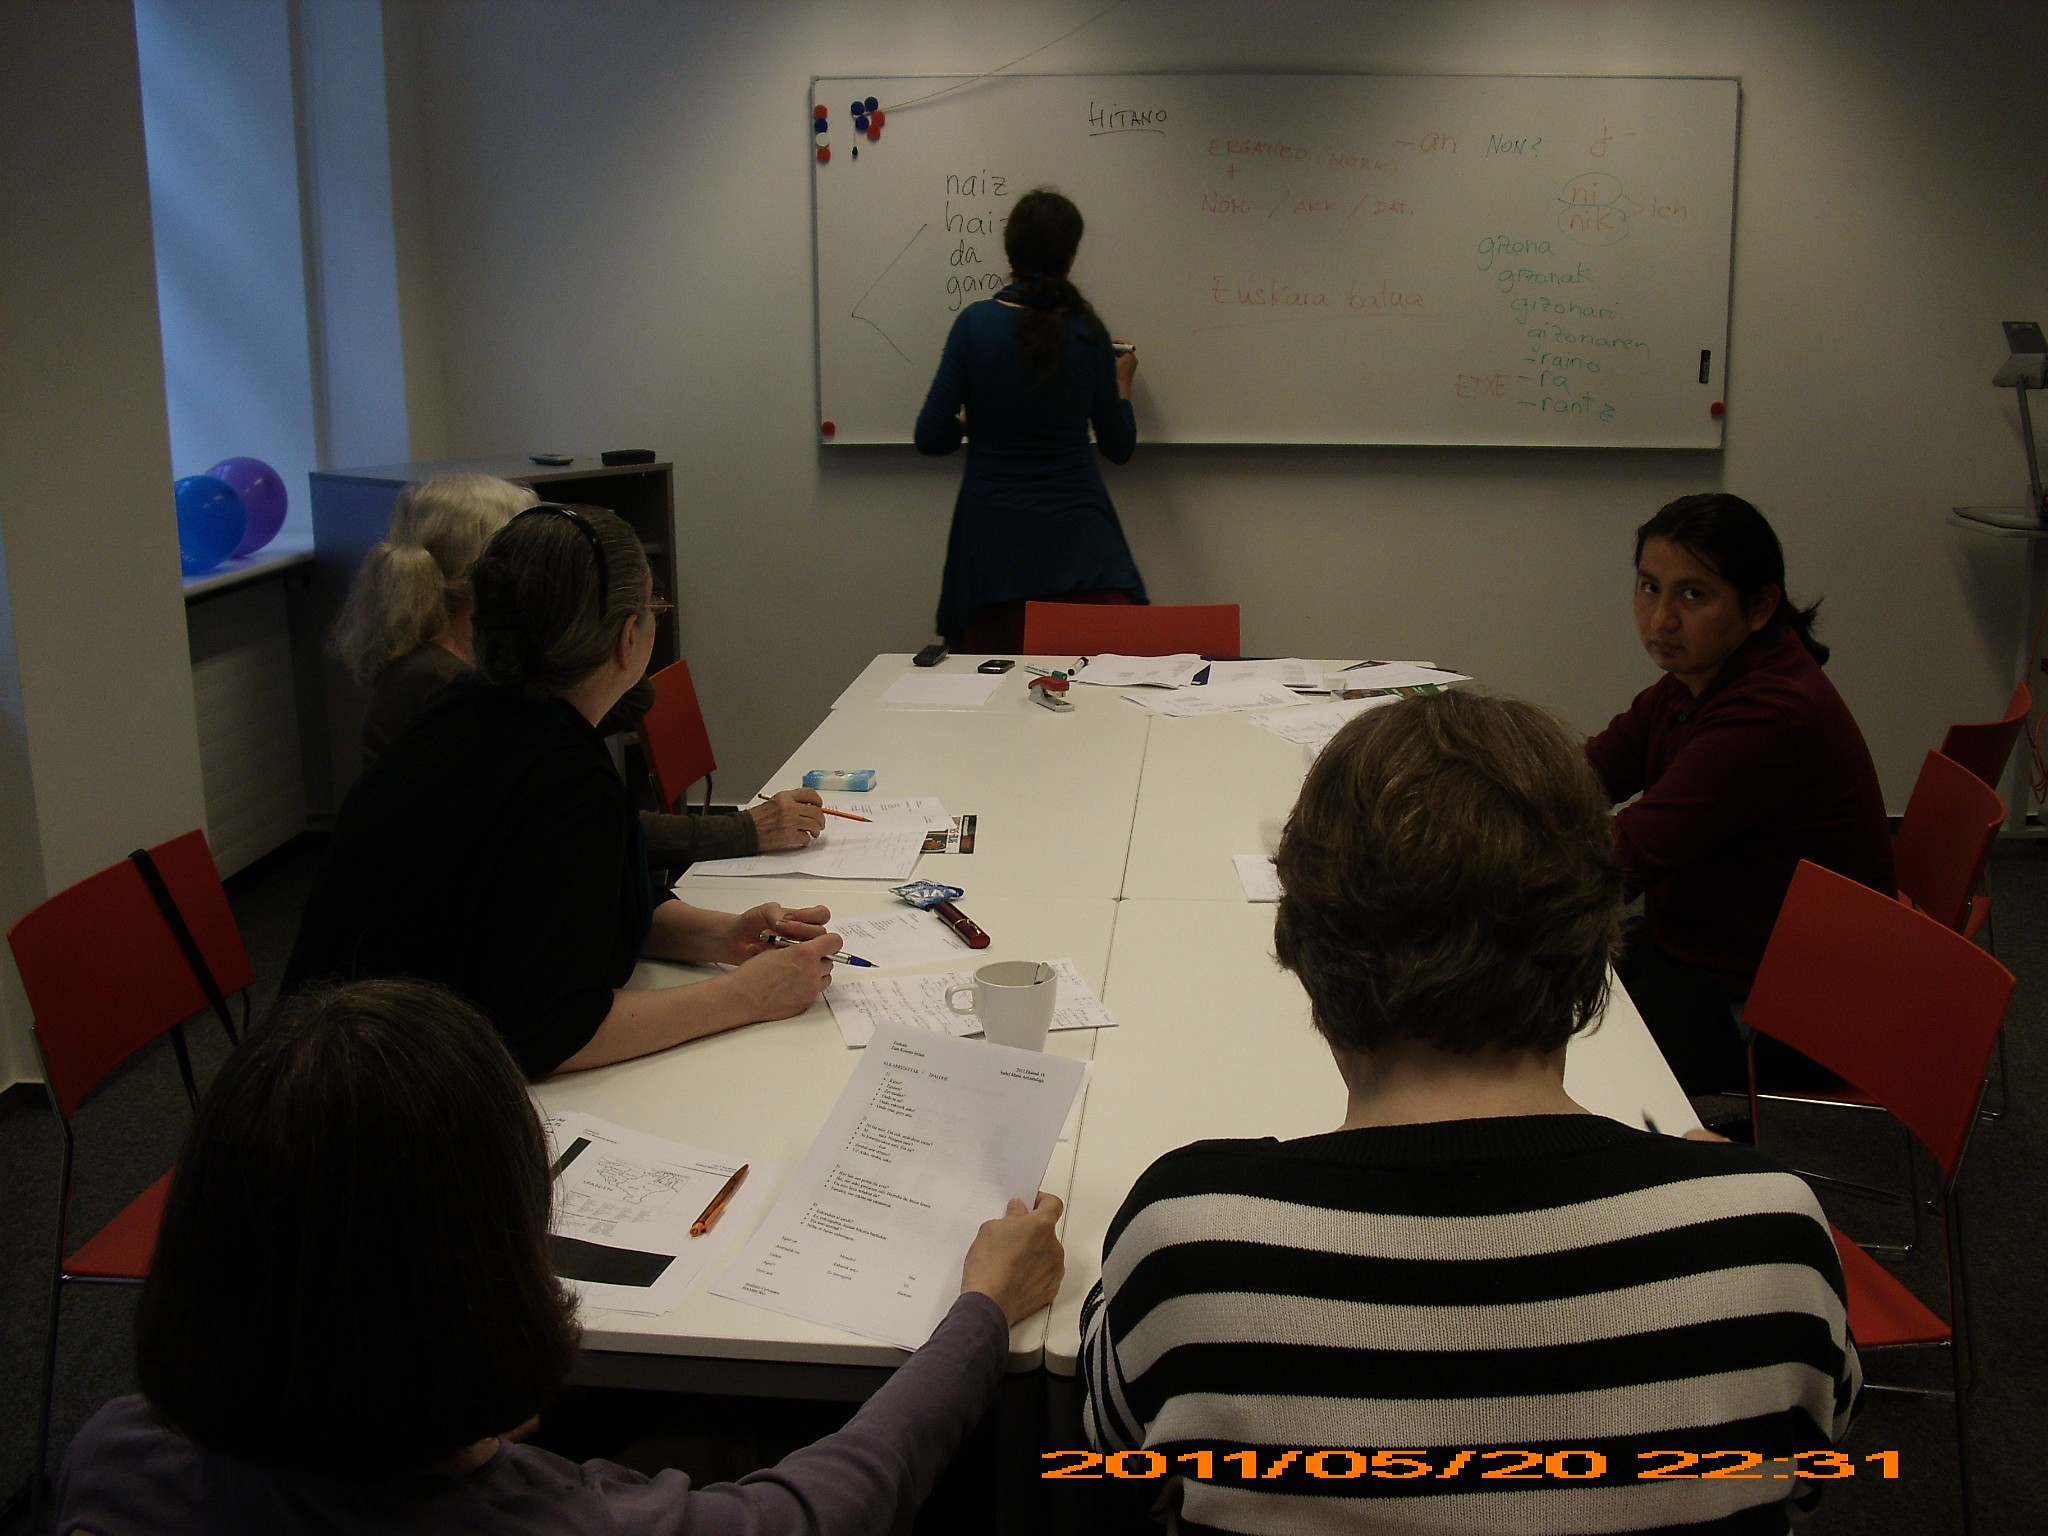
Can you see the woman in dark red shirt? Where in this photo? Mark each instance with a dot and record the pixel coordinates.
(1743, 760)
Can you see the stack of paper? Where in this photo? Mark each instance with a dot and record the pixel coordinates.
(942, 690)
(1287, 671)
(1112, 671)
(887, 846)
(862, 1006)
(1314, 726)
(624, 1204)
(931, 1137)
(1216, 699)
(1399, 674)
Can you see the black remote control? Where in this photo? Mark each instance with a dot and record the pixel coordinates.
(931, 655)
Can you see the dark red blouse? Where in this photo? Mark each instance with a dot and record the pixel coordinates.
(1738, 784)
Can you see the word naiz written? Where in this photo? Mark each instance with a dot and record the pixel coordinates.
(974, 218)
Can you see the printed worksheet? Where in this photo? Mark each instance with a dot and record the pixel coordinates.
(624, 1204)
(845, 850)
(1287, 671)
(931, 1137)
(861, 1005)
(1112, 671)
(909, 936)
(1314, 725)
(1217, 699)
(919, 810)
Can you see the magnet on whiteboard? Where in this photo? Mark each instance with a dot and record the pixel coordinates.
(819, 125)
(819, 112)
(855, 109)
(1717, 410)
(870, 104)
(825, 153)
(878, 118)
(860, 123)
(827, 428)
(874, 131)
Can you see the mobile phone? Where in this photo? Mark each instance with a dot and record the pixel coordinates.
(931, 655)
(996, 664)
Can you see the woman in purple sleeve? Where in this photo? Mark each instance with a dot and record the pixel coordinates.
(1741, 761)
(351, 1320)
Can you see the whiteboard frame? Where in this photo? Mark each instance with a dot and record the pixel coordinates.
(964, 82)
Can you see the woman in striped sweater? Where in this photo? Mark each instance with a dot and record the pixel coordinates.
(1474, 1306)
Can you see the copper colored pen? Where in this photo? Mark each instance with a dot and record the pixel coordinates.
(719, 1202)
(961, 924)
(842, 815)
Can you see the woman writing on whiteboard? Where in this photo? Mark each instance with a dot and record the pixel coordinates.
(1023, 378)
(1742, 760)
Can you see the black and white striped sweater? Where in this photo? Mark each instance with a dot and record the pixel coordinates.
(1576, 1303)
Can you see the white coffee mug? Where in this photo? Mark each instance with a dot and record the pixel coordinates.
(1014, 1001)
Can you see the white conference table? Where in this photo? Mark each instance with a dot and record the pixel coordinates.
(1105, 834)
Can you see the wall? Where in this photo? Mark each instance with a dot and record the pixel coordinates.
(607, 242)
(100, 753)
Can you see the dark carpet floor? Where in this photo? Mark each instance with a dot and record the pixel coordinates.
(129, 1133)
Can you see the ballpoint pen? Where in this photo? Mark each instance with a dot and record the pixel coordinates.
(782, 941)
(719, 1202)
(842, 815)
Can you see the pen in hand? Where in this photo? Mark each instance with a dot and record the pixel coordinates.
(776, 940)
(842, 815)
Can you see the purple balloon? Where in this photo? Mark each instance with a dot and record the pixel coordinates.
(262, 491)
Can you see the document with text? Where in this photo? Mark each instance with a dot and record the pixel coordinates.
(931, 1137)
(624, 1202)
(861, 1005)
(1110, 670)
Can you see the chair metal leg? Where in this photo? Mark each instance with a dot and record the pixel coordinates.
(37, 1478)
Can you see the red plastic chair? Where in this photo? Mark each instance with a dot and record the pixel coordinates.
(1090, 629)
(673, 738)
(106, 973)
(1907, 1010)
(1943, 842)
(1985, 748)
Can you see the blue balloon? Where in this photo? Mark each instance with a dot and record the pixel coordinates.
(211, 522)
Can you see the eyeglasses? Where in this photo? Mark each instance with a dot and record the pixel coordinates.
(660, 605)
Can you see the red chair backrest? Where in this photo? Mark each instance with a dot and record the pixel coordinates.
(1904, 1008)
(1944, 839)
(186, 863)
(672, 735)
(1984, 748)
(1090, 629)
(103, 974)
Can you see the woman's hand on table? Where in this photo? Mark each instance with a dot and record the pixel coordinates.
(789, 819)
(781, 982)
(1016, 1260)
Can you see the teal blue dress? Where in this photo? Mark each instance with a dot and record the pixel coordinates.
(1033, 518)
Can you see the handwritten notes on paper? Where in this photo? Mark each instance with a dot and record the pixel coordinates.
(624, 1203)
(861, 1007)
(931, 1137)
(911, 936)
(1216, 699)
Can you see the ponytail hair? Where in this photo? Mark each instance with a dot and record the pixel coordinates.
(1733, 540)
(1040, 239)
(552, 591)
(417, 578)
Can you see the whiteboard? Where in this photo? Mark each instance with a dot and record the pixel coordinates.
(1304, 258)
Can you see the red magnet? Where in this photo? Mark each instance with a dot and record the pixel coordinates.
(828, 427)
(824, 153)
(874, 130)
(878, 118)
(818, 111)
(1717, 410)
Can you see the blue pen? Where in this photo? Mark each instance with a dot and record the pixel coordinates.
(781, 941)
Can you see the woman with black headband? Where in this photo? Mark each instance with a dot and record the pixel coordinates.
(493, 847)
(1023, 378)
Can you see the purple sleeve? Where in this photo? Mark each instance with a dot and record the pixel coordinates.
(1618, 754)
(871, 1476)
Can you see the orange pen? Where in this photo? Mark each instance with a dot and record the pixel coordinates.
(719, 1202)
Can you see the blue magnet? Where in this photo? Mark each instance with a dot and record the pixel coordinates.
(872, 104)
(819, 125)
(860, 124)
(856, 109)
